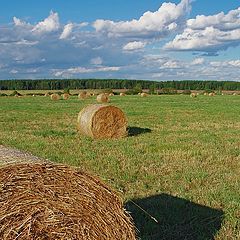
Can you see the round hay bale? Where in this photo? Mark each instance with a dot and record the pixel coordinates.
(102, 121)
(234, 94)
(193, 95)
(211, 94)
(143, 95)
(49, 201)
(103, 98)
(82, 95)
(65, 96)
(122, 94)
(46, 94)
(111, 94)
(205, 94)
(55, 97)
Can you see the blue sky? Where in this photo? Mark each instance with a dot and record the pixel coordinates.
(145, 39)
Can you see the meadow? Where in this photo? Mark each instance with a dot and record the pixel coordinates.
(178, 171)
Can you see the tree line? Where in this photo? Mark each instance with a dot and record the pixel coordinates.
(58, 84)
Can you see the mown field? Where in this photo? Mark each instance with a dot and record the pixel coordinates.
(180, 162)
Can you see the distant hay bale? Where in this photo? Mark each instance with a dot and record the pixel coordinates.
(143, 95)
(111, 94)
(102, 121)
(205, 94)
(33, 95)
(211, 94)
(122, 94)
(50, 201)
(139, 93)
(234, 94)
(55, 97)
(65, 96)
(46, 94)
(103, 98)
(82, 95)
(193, 95)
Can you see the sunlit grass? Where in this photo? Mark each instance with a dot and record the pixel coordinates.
(190, 148)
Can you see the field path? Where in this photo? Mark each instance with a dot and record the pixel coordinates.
(11, 155)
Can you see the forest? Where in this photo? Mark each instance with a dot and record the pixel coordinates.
(58, 84)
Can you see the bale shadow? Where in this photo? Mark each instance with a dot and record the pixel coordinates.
(177, 218)
(133, 131)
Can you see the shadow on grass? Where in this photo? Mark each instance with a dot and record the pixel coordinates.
(178, 219)
(133, 131)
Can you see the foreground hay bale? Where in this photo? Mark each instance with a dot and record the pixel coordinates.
(102, 121)
(193, 95)
(55, 97)
(47, 201)
(82, 95)
(143, 95)
(65, 96)
(103, 98)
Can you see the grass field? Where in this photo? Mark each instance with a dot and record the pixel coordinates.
(181, 162)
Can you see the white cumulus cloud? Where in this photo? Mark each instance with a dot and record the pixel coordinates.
(66, 31)
(209, 33)
(168, 18)
(49, 24)
(136, 45)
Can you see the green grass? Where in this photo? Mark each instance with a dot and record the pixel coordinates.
(181, 163)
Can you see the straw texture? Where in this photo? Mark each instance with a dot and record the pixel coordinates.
(47, 201)
(102, 121)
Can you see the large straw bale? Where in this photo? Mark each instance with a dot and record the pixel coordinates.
(193, 95)
(82, 95)
(102, 121)
(103, 98)
(143, 95)
(55, 97)
(65, 96)
(47, 201)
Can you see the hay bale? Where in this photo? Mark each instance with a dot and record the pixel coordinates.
(143, 95)
(211, 94)
(205, 94)
(48, 201)
(65, 96)
(103, 98)
(234, 94)
(46, 94)
(193, 95)
(111, 94)
(122, 94)
(82, 95)
(102, 121)
(55, 97)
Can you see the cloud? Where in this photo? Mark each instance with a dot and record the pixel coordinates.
(66, 31)
(197, 61)
(132, 46)
(96, 61)
(49, 24)
(77, 70)
(209, 33)
(167, 19)
(19, 22)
